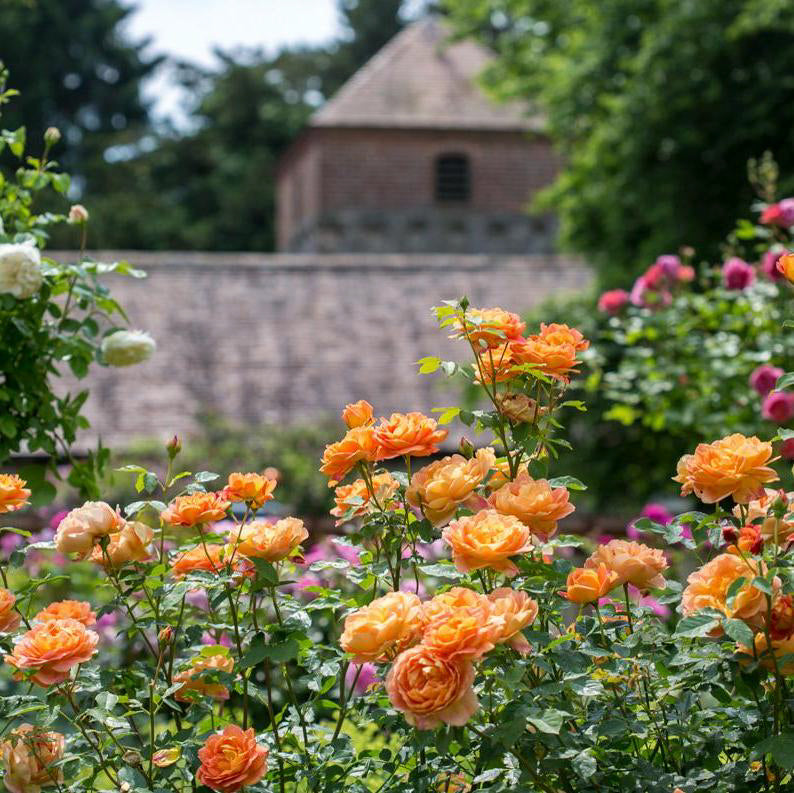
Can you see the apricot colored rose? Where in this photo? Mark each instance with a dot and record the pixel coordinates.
(587, 585)
(749, 540)
(497, 364)
(552, 351)
(408, 434)
(29, 755)
(359, 414)
(13, 493)
(781, 618)
(490, 325)
(271, 541)
(455, 599)
(68, 610)
(500, 474)
(384, 628)
(518, 610)
(51, 649)
(195, 509)
(487, 539)
(632, 562)
(198, 677)
(785, 266)
(519, 408)
(354, 500)
(534, 502)
(732, 466)
(79, 531)
(9, 619)
(773, 529)
(767, 657)
(708, 587)
(209, 559)
(231, 760)
(431, 690)
(440, 487)
(339, 458)
(131, 544)
(253, 489)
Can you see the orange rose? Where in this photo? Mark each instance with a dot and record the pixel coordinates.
(68, 610)
(131, 544)
(708, 588)
(384, 628)
(781, 617)
(407, 434)
(487, 539)
(440, 487)
(430, 690)
(785, 266)
(534, 502)
(497, 364)
(633, 562)
(195, 509)
(253, 489)
(13, 493)
(359, 414)
(758, 513)
(587, 585)
(51, 649)
(270, 541)
(500, 474)
(198, 678)
(80, 530)
(455, 599)
(490, 325)
(9, 618)
(209, 559)
(518, 610)
(552, 351)
(29, 756)
(767, 657)
(519, 408)
(750, 540)
(231, 760)
(339, 458)
(733, 466)
(353, 501)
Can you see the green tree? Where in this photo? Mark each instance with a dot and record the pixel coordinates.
(656, 106)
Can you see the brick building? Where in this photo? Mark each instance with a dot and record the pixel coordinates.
(411, 156)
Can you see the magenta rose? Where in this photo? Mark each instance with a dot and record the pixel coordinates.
(764, 377)
(737, 274)
(778, 406)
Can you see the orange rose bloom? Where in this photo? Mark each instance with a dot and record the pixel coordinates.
(270, 541)
(9, 619)
(339, 458)
(457, 598)
(490, 325)
(497, 364)
(518, 610)
(785, 266)
(384, 628)
(440, 487)
(353, 501)
(253, 489)
(197, 678)
(408, 434)
(79, 531)
(359, 414)
(750, 541)
(500, 474)
(733, 466)
(51, 649)
(758, 513)
(708, 588)
(13, 493)
(552, 351)
(68, 610)
(633, 562)
(781, 618)
(430, 690)
(519, 408)
(534, 502)
(131, 544)
(196, 508)
(231, 760)
(487, 539)
(587, 585)
(29, 756)
(210, 560)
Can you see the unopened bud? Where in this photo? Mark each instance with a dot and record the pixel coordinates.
(466, 448)
(52, 135)
(780, 505)
(78, 214)
(165, 635)
(131, 757)
(272, 473)
(173, 447)
(729, 533)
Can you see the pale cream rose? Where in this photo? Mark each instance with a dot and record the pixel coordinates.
(29, 756)
(82, 527)
(131, 544)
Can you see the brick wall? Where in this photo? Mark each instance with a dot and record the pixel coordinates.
(282, 338)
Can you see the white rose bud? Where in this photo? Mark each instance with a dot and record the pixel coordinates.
(20, 269)
(127, 347)
(52, 135)
(78, 214)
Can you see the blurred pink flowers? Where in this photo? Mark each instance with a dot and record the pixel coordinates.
(737, 274)
(764, 377)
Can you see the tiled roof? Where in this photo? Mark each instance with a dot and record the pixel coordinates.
(423, 79)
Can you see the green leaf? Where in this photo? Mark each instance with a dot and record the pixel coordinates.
(785, 381)
(781, 747)
(738, 631)
(549, 721)
(266, 574)
(447, 414)
(571, 482)
(698, 625)
(429, 364)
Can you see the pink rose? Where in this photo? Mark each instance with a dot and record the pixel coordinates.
(787, 449)
(613, 301)
(778, 406)
(764, 377)
(779, 214)
(737, 274)
(769, 265)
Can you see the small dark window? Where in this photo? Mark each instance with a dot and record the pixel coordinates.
(453, 178)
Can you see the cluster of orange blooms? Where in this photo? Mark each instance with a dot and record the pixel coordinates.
(432, 646)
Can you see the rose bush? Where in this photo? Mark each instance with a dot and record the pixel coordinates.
(456, 639)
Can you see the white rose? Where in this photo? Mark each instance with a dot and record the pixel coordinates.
(127, 347)
(20, 269)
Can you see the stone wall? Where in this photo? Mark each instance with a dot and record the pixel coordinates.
(282, 338)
